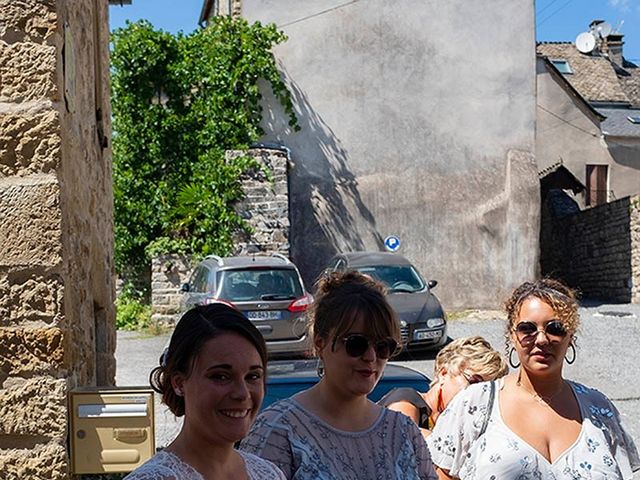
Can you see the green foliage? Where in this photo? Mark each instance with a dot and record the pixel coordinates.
(179, 102)
(132, 313)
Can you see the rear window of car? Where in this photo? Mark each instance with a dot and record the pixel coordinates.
(245, 285)
(397, 278)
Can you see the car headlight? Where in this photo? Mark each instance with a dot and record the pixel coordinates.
(435, 322)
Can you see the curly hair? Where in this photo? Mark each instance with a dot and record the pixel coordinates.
(341, 298)
(472, 356)
(193, 330)
(561, 298)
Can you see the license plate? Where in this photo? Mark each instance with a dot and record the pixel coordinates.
(264, 315)
(426, 334)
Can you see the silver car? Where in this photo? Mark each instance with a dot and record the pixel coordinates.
(423, 322)
(268, 289)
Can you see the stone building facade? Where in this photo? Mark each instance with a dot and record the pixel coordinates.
(595, 250)
(265, 208)
(57, 328)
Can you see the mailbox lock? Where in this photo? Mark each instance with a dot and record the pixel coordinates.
(81, 433)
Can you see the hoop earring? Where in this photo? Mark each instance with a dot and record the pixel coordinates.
(320, 368)
(511, 362)
(573, 357)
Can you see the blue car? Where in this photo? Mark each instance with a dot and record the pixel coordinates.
(288, 377)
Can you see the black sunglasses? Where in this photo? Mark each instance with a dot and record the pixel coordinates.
(357, 344)
(527, 331)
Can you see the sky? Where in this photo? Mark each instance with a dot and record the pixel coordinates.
(556, 20)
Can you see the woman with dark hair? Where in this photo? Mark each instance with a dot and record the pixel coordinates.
(534, 424)
(332, 431)
(213, 373)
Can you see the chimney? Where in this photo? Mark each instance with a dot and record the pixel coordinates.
(613, 47)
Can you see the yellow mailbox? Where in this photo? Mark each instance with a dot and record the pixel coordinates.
(112, 428)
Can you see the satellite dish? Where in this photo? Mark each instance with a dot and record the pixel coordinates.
(604, 29)
(585, 42)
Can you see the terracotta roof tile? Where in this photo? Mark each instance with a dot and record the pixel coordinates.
(593, 75)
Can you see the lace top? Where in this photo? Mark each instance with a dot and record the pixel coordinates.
(168, 466)
(306, 447)
(603, 450)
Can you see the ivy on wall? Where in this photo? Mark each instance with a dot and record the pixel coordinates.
(179, 102)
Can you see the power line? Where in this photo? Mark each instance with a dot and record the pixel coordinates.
(302, 19)
(567, 122)
(548, 5)
(554, 12)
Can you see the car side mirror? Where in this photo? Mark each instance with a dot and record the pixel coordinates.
(432, 283)
(184, 287)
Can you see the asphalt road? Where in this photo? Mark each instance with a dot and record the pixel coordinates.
(607, 359)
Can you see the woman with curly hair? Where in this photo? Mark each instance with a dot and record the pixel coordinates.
(461, 363)
(332, 430)
(534, 424)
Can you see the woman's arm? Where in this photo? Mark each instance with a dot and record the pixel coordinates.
(444, 474)
(407, 408)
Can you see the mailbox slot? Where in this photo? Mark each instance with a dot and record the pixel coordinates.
(112, 428)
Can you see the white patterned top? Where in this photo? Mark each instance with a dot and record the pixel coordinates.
(168, 466)
(603, 449)
(305, 447)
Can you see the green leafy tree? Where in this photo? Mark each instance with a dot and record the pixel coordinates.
(179, 102)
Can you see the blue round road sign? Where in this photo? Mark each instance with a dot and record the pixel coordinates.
(392, 243)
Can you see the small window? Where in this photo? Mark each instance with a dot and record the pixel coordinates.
(634, 119)
(562, 66)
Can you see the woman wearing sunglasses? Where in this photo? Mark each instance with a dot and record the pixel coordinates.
(332, 431)
(461, 363)
(534, 424)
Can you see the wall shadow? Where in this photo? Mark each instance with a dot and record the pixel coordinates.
(326, 210)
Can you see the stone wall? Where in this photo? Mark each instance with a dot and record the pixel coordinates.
(265, 208)
(595, 250)
(57, 328)
(168, 273)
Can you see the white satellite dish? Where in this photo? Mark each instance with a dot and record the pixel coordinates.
(603, 29)
(585, 42)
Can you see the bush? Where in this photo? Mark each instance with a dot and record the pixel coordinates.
(132, 313)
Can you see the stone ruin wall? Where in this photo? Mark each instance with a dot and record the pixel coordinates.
(596, 250)
(265, 208)
(57, 328)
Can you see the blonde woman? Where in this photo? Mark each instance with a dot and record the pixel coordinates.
(463, 362)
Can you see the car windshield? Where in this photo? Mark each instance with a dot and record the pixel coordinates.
(398, 278)
(255, 284)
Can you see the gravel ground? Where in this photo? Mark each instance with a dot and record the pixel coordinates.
(607, 358)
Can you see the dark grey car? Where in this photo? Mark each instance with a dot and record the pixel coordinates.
(268, 289)
(423, 322)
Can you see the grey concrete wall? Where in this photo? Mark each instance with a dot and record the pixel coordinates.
(417, 120)
(565, 130)
(596, 250)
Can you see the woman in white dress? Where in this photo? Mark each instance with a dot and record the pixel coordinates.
(534, 424)
(213, 373)
(332, 431)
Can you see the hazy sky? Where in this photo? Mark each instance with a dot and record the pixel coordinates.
(557, 20)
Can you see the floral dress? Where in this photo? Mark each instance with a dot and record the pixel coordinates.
(603, 450)
(168, 466)
(307, 448)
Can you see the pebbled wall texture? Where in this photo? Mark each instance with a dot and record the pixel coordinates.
(57, 328)
(596, 250)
